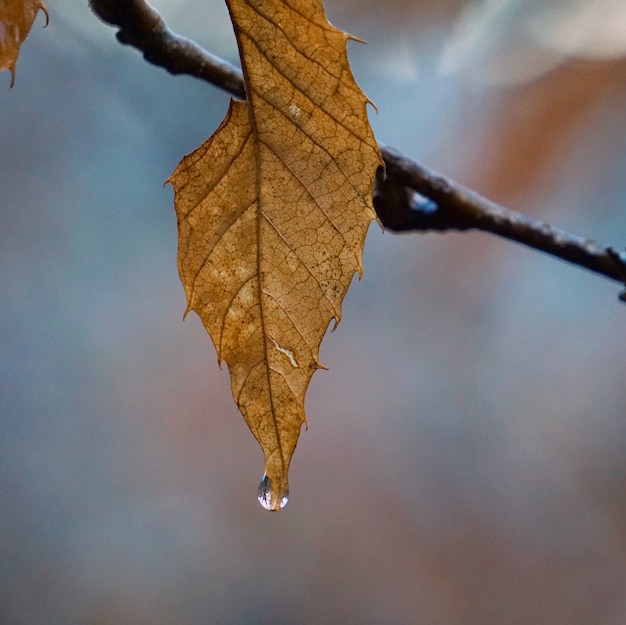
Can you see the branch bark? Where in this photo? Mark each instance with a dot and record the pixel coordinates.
(408, 196)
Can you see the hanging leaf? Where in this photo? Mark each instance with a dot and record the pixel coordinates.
(16, 19)
(272, 215)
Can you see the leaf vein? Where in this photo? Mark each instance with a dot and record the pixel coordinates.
(229, 225)
(228, 308)
(219, 178)
(302, 262)
(305, 93)
(288, 315)
(295, 48)
(245, 380)
(333, 157)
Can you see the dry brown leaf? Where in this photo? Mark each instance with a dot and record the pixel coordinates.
(16, 19)
(272, 214)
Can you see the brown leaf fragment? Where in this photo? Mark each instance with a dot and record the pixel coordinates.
(272, 215)
(16, 19)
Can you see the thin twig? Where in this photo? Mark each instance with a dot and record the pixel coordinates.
(448, 205)
(142, 27)
(458, 208)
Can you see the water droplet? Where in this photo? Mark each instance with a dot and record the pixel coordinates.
(269, 499)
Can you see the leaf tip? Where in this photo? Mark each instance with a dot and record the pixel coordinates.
(371, 103)
(42, 7)
(350, 37)
(337, 321)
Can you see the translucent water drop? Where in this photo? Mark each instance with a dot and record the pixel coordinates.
(269, 499)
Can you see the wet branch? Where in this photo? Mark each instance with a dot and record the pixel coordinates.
(410, 198)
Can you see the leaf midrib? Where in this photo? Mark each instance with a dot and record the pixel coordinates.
(259, 216)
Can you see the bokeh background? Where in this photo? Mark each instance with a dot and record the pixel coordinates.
(466, 456)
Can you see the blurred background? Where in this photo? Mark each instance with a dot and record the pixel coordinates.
(465, 462)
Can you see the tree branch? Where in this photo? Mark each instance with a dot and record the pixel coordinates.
(454, 207)
(408, 197)
(142, 27)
